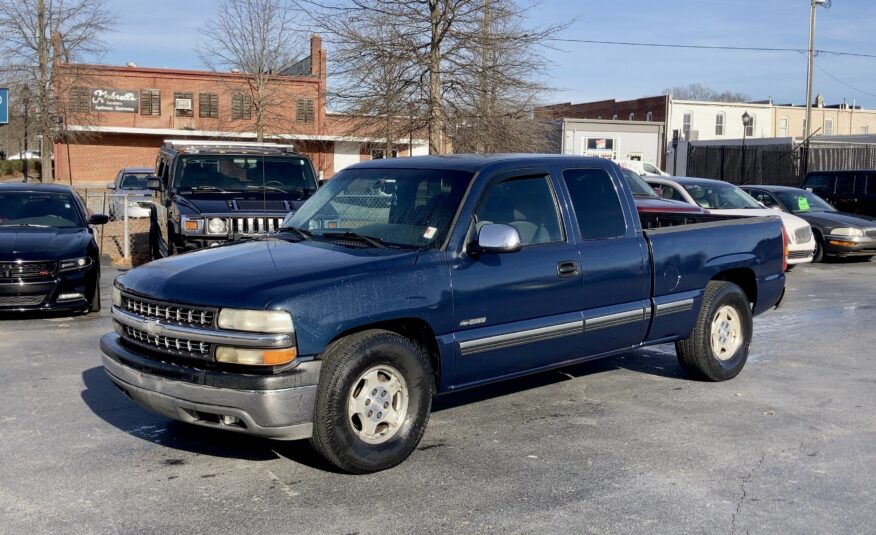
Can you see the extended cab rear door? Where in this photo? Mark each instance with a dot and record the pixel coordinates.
(614, 256)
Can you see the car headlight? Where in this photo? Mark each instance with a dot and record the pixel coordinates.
(216, 225)
(259, 321)
(74, 263)
(117, 297)
(192, 225)
(847, 231)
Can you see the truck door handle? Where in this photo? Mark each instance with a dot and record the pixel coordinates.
(567, 269)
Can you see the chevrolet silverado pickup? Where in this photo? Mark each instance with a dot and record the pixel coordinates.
(405, 278)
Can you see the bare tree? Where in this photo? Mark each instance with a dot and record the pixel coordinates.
(37, 36)
(464, 66)
(263, 40)
(700, 92)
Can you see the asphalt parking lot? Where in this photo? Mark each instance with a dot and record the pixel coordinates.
(623, 445)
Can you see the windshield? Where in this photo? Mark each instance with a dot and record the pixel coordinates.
(406, 207)
(721, 197)
(282, 174)
(637, 184)
(133, 181)
(801, 202)
(31, 209)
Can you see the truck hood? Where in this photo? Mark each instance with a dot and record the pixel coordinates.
(221, 203)
(22, 243)
(247, 275)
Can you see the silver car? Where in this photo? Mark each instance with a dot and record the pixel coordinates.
(130, 185)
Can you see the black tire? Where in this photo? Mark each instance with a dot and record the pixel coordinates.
(344, 362)
(696, 353)
(818, 255)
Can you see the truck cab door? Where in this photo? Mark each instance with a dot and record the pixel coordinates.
(517, 311)
(614, 262)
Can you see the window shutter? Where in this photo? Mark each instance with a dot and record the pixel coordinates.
(305, 110)
(150, 102)
(78, 100)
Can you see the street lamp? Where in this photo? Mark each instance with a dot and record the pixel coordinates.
(813, 4)
(746, 120)
(25, 98)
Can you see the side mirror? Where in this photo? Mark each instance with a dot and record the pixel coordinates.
(154, 183)
(111, 186)
(98, 219)
(497, 238)
(658, 190)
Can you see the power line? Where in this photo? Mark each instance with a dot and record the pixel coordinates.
(709, 47)
(825, 71)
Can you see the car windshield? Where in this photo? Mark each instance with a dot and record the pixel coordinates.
(404, 207)
(637, 184)
(38, 209)
(282, 174)
(801, 202)
(721, 197)
(133, 181)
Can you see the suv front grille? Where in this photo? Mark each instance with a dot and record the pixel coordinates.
(803, 235)
(175, 346)
(179, 314)
(250, 226)
(26, 270)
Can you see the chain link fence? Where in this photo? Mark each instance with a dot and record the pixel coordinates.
(125, 238)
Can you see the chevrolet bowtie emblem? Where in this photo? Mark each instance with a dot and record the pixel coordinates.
(152, 327)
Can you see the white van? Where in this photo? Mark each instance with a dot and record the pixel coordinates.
(641, 168)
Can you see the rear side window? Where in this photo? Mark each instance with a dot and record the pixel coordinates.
(597, 206)
(818, 183)
(845, 184)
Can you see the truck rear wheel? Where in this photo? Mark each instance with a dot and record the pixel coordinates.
(373, 401)
(717, 349)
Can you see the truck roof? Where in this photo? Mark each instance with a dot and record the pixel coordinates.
(184, 146)
(468, 162)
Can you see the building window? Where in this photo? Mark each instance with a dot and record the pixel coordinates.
(305, 110)
(150, 102)
(649, 116)
(719, 124)
(686, 124)
(749, 128)
(182, 104)
(208, 105)
(828, 127)
(241, 106)
(783, 127)
(78, 100)
(379, 154)
(864, 130)
(632, 116)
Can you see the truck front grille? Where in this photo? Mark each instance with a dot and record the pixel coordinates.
(26, 270)
(251, 226)
(21, 300)
(174, 346)
(803, 235)
(179, 314)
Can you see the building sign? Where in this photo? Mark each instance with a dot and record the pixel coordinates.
(600, 148)
(4, 105)
(119, 100)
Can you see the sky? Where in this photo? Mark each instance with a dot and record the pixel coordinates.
(164, 33)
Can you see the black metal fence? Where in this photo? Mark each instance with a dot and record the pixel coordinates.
(779, 164)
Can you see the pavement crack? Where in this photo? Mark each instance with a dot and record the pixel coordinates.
(744, 493)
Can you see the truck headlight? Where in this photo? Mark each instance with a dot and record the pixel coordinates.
(259, 321)
(256, 357)
(847, 231)
(192, 225)
(74, 264)
(216, 225)
(117, 297)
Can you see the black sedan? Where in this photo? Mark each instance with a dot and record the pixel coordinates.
(48, 256)
(836, 233)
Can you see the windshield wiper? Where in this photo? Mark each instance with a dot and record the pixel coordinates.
(263, 188)
(25, 225)
(372, 241)
(207, 188)
(305, 234)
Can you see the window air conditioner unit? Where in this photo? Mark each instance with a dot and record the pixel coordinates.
(183, 104)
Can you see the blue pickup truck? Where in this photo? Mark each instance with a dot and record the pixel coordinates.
(405, 278)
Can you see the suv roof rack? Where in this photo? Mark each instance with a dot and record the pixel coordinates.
(185, 145)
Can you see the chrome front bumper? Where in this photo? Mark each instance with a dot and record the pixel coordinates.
(284, 413)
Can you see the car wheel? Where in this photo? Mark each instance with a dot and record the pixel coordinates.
(818, 255)
(717, 349)
(94, 305)
(373, 401)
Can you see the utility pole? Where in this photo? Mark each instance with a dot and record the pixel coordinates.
(812, 5)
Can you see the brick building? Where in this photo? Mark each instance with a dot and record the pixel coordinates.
(119, 116)
(641, 109)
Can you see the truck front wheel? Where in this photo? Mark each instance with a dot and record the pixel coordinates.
(373, 401)
(717, 349)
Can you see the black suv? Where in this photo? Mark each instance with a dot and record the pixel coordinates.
(213, 193)
(849, 191)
